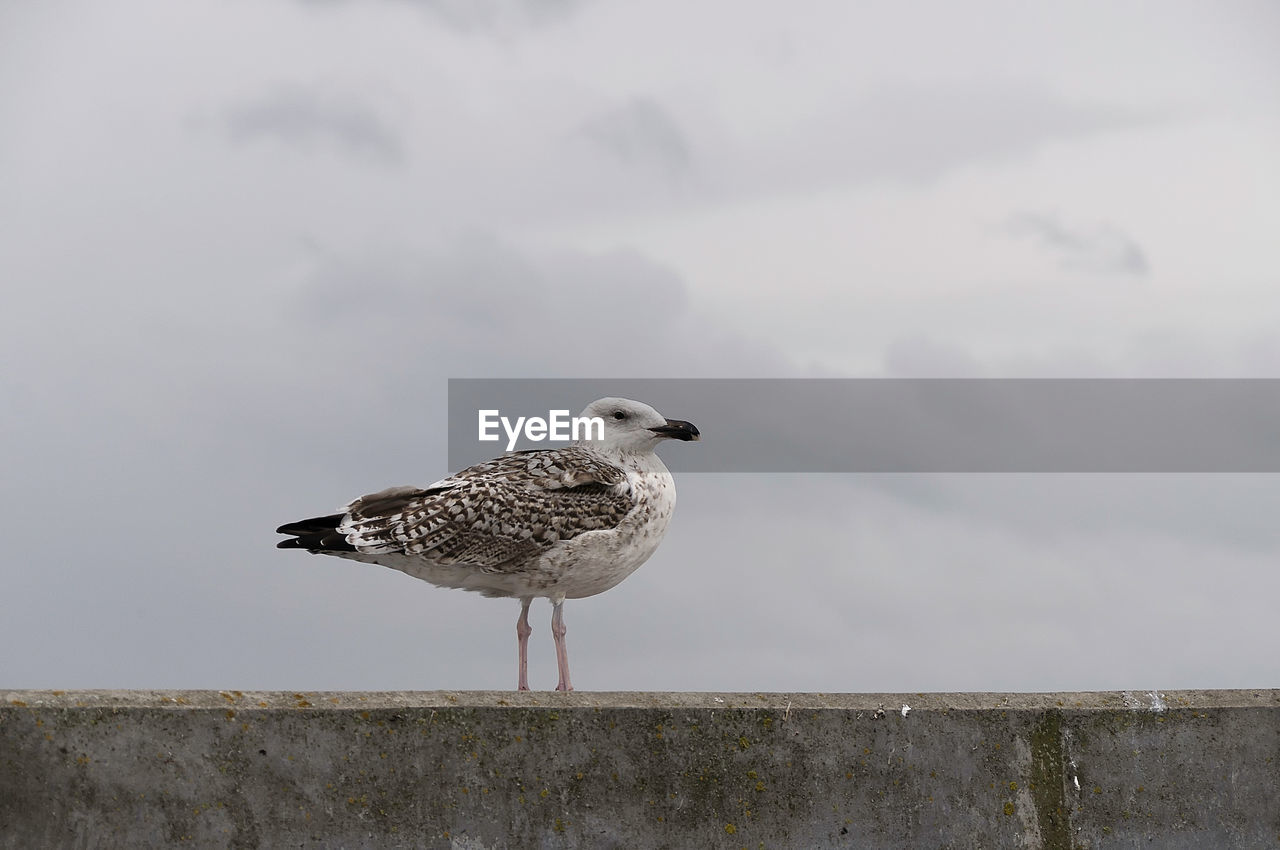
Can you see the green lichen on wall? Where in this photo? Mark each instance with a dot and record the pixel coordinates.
(1049, 782)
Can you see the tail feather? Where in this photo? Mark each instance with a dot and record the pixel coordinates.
(318, 534)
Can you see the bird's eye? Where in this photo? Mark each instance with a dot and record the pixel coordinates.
(618, 414)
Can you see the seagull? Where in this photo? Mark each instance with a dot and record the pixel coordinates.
(560, 523)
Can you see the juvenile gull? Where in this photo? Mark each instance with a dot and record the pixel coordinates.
(560, 523)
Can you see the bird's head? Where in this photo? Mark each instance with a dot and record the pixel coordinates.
(634, 426)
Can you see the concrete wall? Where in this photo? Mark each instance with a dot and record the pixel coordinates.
(1189, 769)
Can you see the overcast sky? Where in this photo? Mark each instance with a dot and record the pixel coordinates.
(244, 244)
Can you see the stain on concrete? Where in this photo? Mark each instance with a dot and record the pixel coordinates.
(1048, 782)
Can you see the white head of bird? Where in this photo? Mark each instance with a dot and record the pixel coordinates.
(633, 426)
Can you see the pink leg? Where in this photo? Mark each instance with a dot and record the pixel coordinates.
(523, 631)
(562, 654)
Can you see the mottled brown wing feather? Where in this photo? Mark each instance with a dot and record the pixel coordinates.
(494, 515)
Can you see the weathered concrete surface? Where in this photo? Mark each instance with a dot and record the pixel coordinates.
(1184, 769)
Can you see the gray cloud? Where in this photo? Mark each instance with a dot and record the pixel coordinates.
(1099, 249)
(918, 133)
(561, 313)
(641, 133)
(309, 118)
(486, 16)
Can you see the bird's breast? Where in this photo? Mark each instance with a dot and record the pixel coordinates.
(596, 561)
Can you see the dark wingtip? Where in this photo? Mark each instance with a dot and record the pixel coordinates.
(312, 525)
(318, 534)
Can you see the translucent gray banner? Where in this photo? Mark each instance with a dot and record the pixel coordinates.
(913, 425)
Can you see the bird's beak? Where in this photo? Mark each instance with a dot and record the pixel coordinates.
(677, 429)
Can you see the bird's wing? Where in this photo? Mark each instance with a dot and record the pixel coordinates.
(495, 514)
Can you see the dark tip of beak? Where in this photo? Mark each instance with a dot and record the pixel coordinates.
(678, 429)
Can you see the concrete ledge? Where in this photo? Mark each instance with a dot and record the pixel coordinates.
(1177, 769)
